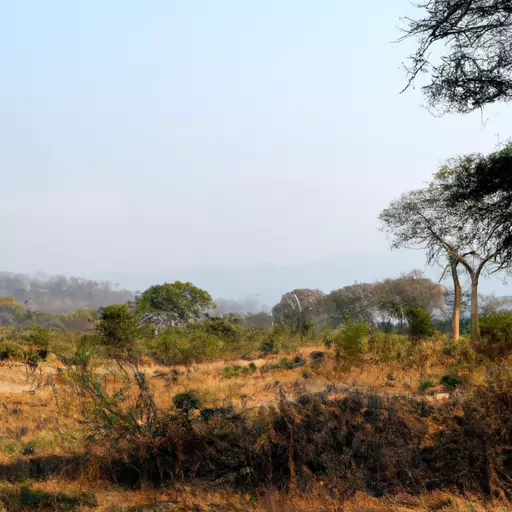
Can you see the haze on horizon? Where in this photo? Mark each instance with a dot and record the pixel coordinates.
(141, 138)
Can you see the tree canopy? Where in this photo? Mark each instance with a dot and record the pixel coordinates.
(297, 308)
(183, 302)
(465, 49)
(482, 186)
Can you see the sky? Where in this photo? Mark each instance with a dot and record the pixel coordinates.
(150, 137)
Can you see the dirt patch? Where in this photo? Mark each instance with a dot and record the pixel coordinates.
(9, 387)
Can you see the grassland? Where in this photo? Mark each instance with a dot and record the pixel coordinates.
(55, 457)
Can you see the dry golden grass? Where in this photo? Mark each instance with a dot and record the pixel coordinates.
(198, 499)
(40, 411)
(32, 411)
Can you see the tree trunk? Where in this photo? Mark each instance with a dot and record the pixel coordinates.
(475, 325)
(457, 301)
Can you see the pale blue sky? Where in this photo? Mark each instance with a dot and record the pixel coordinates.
(157, 135)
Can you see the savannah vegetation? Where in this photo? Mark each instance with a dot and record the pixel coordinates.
(360, 395)
(394, 395)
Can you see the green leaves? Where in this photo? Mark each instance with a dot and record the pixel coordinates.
(184, 302)
(117, 327)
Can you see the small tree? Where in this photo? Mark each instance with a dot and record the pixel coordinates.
(351, 342)
(117, 327)
(37, 340)
(182, 302)
(419, 321)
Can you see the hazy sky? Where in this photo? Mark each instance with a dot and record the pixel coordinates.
(156, 135)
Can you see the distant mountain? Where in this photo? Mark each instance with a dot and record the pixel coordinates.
(262, 283)
(268, 282)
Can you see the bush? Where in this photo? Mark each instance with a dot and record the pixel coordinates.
(389, 347)
(187, 401)
(84, 352)
(420, 322)
(206, 346)
(223, 328)
(37, 337)
(426, 384)
(236, 370)
(462, 350)
(10, 351)
(496, 331)
(36, 499)
(360, 442)
(172, 347)
(272, 345)
(451, 380)
(284, 364)
(181, 346)
(351, 342)
(117, 327)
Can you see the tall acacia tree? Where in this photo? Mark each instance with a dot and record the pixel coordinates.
(464, 47)
(428, 219)
(418, 221)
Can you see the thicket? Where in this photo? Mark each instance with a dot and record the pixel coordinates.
(351, 443)
(496, 331)
(216, 338)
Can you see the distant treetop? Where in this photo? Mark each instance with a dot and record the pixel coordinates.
(60, 294)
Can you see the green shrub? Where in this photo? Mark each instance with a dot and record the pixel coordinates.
(205, 346)
(389, 347)
(223, 329)
(180, 345)
(187, 401)
(171, 346)
(117, 327)
(284, 364)
(420, 322)
(451, 380)
(236, 370)
(351, 342)
(272, 345)
(328, 339)
(36, 341)
(426, 384)
(84, 353)
(37, 336)
(36, 499)
(462, 350)
(10, 351)
(496, 331)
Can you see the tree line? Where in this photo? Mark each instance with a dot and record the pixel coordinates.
(59, 294)
(381, 304)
